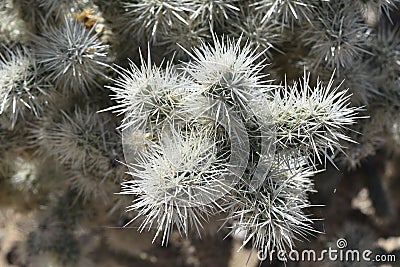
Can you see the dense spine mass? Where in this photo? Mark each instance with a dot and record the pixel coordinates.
(190, 110)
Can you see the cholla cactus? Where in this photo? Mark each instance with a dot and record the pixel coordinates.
(205, 132)
(149, 95)
(94, 180)
(215, 12)
(287, 12)
(180, 175)
(20, 86)
(75, 137)
(362, 88)
(272, 218)
(177, 180)
(311, 120)
(337, 37)
(227, 73)
(384, 45)
(261, 36)
(150, 18)
(73, 56)
(183, 37)
(84, 142)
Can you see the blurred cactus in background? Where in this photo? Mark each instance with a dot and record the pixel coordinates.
(174, 120)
